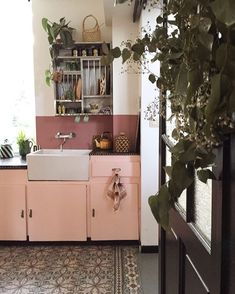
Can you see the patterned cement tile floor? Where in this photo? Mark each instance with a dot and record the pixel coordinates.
(69, 270)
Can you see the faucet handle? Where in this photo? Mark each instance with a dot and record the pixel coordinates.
(57, 135)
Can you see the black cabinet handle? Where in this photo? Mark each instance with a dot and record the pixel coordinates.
(93, 212)
(30, 213)
(22, 213)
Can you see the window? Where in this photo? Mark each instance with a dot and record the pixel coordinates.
(17, 102)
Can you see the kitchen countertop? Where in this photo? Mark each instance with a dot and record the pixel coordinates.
(110, 152)
(15, 162)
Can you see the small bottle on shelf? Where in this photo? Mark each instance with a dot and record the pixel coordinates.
(59, 109)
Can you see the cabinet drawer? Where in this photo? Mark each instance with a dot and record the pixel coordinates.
(13, 176)
(103, 167)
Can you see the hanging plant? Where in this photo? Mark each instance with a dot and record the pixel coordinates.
(197, 77)
(56, 33)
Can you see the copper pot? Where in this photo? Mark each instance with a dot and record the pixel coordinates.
(105, 142)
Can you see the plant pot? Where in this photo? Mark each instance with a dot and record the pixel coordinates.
(25, 148)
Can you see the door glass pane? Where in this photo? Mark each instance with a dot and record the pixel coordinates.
(168, 161)
(202, 208)
(170, 125)
(182, 201)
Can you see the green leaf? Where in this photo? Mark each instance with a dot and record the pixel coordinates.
(152, 78)
(66, 38)
(205, 174)
(181, 80)
(214, 98)
(175, 190)
(44, 23)
(168, 170)
(152, 46)
(224, 11)
(51, 33)
(194, 21)
(195, 78)
(160, 206)
(220, 55)
(159, 19)
(175, 55)
(206, 40)
(155, 58)
(48, 81)
(175, 134)
(136, 56)
(153, 203)
(48, 77)
(55, 30)
(181, 175)
(116, 52)
(138, 48)
(189, 155)
(204, 159)
(126, 54)
(105, 48)
(225, 59)
(62, 21)
(107, 59)
(204, 24)
(178, 148)
(50, 40)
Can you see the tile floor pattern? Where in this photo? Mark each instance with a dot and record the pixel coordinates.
(69, 270)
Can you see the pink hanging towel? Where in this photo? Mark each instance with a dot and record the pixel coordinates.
(116, 191)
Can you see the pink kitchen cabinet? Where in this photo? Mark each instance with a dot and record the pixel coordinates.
(12, 205)
(56, 211)
(105, 223)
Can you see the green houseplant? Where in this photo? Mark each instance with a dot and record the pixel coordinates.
(57, 33)
(58, 30)
(194, 40)
(24, 144)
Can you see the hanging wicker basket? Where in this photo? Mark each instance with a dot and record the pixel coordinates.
(91, 34)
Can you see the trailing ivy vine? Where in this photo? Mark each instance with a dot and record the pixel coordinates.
(197, 75)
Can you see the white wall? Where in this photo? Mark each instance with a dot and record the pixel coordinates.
(126, 84)
(72, 10)
(149, 148)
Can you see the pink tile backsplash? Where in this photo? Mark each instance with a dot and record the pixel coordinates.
(48, 126)
(128, 125)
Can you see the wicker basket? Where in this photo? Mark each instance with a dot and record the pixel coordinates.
(91, 34)
(121, 143)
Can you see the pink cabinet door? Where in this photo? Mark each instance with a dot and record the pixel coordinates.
(56, 212)
(107, 224)
(12, 212)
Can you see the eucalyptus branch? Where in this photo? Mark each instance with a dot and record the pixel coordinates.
(198, 72)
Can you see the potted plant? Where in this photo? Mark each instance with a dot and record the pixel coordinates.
(197, 80)
(24, 144)
(58, 31)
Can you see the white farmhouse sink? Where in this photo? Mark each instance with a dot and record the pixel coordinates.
(54, 165)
